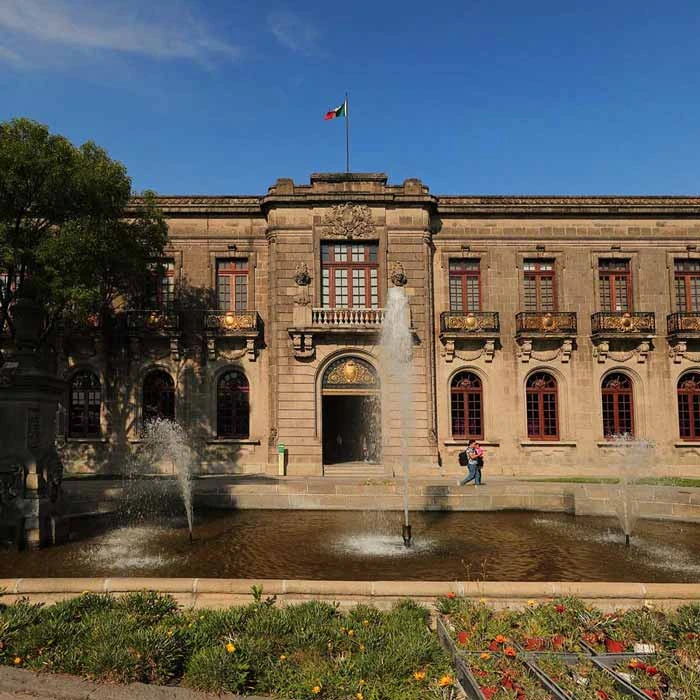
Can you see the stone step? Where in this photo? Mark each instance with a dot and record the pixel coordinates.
(354, 470)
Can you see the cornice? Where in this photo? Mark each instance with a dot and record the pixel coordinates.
(206, 204)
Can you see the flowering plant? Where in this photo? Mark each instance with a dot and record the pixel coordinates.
(552, 626)
(641, 630)
(502, 678)
(476, 627)
(580, 679)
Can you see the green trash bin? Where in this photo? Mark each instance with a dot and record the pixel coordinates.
(281, 456)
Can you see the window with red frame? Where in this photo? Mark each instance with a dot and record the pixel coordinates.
(618, 406)
(689, 406)
(349, 275)
(687, 284)
(232, 284)
(158, 396)
(232, 406)
(160, 285)
(615, 285)
(541, 406)
(539, 293)
(466, 403)
(84, 405)
(465, 285)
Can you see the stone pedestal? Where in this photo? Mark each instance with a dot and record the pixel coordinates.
(30, 468)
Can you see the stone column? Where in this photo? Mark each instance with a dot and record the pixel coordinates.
(30, 468)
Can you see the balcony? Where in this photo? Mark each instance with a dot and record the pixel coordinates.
(347, 318)
(622, 334)
(623, 324)
(79, 338)
(224, 329)
(549, 324)
(477, 329)
(682, 327)
(153, 326)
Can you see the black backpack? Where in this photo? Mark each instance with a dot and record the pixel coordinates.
(463, 458)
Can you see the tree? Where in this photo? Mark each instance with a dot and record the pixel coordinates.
(69, 234)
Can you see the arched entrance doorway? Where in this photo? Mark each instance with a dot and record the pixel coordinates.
(351, 412)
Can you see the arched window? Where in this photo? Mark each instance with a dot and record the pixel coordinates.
(232, 406)
(84, 405)
(542, 410)
(618, 406)
(158, 396)
(689, 406)
(467, 406)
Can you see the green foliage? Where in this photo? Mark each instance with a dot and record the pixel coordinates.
(147, 607)
(216, 670)
(69, 235)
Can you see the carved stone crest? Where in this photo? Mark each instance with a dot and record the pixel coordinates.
(302, 276)
(398, 274)
(348, 221)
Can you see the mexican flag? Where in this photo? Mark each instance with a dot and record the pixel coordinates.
(341, 111)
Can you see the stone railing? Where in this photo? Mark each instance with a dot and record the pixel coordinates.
(232, 322)
(471, 322)
(683, 323)
(623, 323)
(545, 323)
(152, 321)
(347, 318)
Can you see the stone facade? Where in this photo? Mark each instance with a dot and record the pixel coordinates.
(286, 339)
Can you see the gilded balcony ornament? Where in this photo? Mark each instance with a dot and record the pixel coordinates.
(350, 372)
(626, 322)
(348, 221)
(154, 320)
(470, 322)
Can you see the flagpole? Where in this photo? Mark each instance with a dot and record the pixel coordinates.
(347, 136)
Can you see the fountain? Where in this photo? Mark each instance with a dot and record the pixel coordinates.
(396, 351)
(165, 439)
(634, 455)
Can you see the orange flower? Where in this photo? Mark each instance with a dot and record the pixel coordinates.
(499, 639)
(509, 651)
(419, 675)
(359, 696)
(485, 655)
(283, 658)
(445, 680)
(316, 689)
(365, 623)
(451, 595)
(362, 647)
(230, 648)
(18, 660)
(351, 633)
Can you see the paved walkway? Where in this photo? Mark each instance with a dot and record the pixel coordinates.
(19, 684)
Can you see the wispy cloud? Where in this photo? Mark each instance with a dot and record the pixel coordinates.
(9, 55)
(293, 32)
(156, 29)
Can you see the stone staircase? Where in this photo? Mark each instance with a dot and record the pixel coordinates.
(354, 470)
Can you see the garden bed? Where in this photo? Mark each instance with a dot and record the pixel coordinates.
(310, 650)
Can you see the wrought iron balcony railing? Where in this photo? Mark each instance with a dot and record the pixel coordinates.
(469, 322)
(545, 323)
(621, 323)
(152, 321)
(683, 323)
(347, 318)
(232, 322)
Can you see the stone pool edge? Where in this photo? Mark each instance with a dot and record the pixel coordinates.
(219, 593)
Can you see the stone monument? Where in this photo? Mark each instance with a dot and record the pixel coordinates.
(30, 468)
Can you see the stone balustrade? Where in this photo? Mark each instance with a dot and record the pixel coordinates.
(349, 318)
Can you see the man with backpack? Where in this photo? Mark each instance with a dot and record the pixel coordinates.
(472, 457)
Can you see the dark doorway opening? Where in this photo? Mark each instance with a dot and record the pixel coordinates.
(351, 429)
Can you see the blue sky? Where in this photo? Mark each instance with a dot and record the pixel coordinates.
(477, 97)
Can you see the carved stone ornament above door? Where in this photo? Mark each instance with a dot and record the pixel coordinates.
(348, 221)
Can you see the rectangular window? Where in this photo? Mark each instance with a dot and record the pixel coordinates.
(465, 285)
(614, 285)
(349, 275)
(232, 284)
(539, 292)
(687, 285)
(160, 285)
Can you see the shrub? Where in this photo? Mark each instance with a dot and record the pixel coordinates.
(147, 607)
(214, 669)
(203, 628)
(84, 605)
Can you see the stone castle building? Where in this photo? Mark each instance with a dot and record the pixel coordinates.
(543, 326)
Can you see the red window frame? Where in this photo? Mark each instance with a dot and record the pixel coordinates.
(233, 405)
(84, 405)
(160, 289)
(611, 272)
(535, 272)
(467, 407)
(463, 274)
(688, 389)
(330, 263)
(618, 405)
(235, 272)
(687, 272)
(542, 406)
